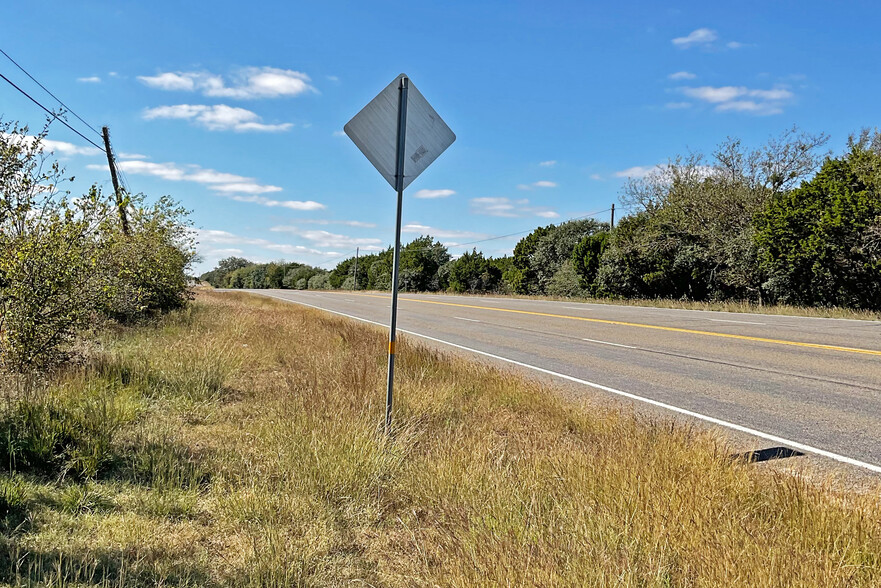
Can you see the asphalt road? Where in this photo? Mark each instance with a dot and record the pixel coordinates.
(807, 383)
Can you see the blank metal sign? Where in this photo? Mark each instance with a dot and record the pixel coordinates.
(375, 131)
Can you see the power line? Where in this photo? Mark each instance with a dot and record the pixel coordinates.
(529, 230)
(52, 114)
(344, 255)
(68, 108)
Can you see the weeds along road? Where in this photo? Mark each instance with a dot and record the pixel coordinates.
(808, 383)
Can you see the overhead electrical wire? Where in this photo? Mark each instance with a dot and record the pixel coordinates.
(52, 114)
(68, 108)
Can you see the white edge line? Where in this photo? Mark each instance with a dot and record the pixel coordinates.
(609, 343)
(781, 440)
(462, 318)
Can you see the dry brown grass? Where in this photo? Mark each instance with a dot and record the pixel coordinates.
(280, 475)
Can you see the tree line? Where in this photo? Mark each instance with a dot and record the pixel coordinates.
(66, 266)
(785, 223)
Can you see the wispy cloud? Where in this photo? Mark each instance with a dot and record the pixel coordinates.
(321, 238)
(428, 194)
(347, 223)
(125, 155)
(549, 163)
(637, 171)
(233, 186)
(89, 80)
(682, 75)
(697, 37)
(245, 84)
(678, 105)
(61, 148)
(741, 98)
(212, 237)
(539, 184)
(290, 204)
(219, 117)
(505, 207)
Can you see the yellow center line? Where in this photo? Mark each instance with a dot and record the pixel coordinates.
(641, 326)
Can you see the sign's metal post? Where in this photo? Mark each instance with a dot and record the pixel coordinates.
(398, 126)
(399, 186)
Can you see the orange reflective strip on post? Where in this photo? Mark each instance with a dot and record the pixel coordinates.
(391, 347)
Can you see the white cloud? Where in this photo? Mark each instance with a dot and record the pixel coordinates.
(549, 163)
(245, 187)
(505, 207)
(596, 177)
(339, 134)
(240, 188)
(440, 233)
(761, 108)
(89, 80)
(677, 105)
(741, 98)
(247, 83)
(700, 36)
(327, 239)
(132, 156)
(682, 75)
(348, 223)
(291, 204)
(427, 194)
(171, 81)
(212, 237)
(734, 45)
(539, 184)
(715, 94)
(61, 148)
(219, 117)
(637, 171)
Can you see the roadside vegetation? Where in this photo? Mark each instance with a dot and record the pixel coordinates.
(783, 224)
(239, 442)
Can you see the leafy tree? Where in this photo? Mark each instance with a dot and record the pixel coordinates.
(555, 248)
(523, 278)
(694, 237)
(473, 273)
(586, 258)
(818, 242)
(565, 283)
(420, 260)
(320, 281)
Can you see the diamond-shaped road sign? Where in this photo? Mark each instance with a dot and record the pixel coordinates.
(375, 131)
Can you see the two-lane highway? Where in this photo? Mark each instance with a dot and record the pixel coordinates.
(812, 384)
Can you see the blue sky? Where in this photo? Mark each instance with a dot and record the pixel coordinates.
(236, 109)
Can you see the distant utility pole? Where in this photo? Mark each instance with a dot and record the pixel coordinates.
(613, 216)
(120, 204)
(356, 269)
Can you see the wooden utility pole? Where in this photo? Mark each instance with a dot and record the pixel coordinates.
(613, 216)
(120, 203)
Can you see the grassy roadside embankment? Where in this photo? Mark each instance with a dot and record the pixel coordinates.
(239, 444)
